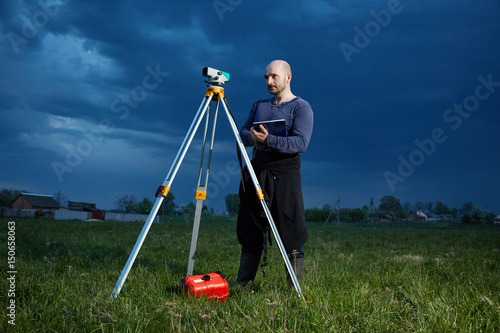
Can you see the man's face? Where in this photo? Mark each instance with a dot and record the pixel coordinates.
(275, 80)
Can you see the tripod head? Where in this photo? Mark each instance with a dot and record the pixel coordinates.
(215, 77)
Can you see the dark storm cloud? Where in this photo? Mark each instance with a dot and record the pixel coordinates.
(118, 82)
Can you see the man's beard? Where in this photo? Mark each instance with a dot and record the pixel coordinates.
(276, 91)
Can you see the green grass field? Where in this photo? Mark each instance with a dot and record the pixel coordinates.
(359, 278)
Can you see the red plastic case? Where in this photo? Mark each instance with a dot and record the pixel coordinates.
(212, 286)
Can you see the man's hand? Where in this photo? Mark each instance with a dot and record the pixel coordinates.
(260, 135)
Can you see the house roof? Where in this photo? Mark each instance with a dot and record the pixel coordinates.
(40, 200)
(81, 206)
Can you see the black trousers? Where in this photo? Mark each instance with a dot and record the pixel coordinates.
(281, 182)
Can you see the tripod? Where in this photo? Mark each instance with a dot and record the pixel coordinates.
(215, 92)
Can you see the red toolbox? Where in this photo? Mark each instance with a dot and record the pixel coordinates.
(212, 286)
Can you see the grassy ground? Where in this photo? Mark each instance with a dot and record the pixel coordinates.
(359, 278)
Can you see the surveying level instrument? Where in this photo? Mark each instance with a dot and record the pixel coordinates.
(215, 92)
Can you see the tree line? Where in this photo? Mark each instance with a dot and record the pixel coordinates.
(124, 204)
(389, 206)
(129, 204)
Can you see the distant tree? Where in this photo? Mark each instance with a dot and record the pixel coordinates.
(352, 215)
(205, 211)
(419, 205)
(320, 215)
(168, 204)
(466, 219)
(232, 203)
(7, 196)
(327, 207)
(466, 208)
(189, 209)
(126, 204)
(345, 215)
(428, 206)
(365, 209)
(407, 207)
(441, 208)
(390, 205)
(328, 213)
(61, 199)
(144, 206)
(490, 217)
(477, 214)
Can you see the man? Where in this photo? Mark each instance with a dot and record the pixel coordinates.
(276, 161)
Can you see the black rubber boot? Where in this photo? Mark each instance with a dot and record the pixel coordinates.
(298, 268)
(249, 265)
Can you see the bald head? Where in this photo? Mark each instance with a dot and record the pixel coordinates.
(278, 75)
(279, 66)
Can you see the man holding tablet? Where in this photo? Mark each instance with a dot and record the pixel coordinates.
(279, 129)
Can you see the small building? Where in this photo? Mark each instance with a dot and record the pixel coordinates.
(386, 218)
(35, 201)
(81, 206)
(86, 207)
(413, 216)
(33, 205)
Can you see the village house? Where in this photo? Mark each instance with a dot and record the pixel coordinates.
(35, 201)
(42, 205)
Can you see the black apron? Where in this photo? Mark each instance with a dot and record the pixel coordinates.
(281, 182)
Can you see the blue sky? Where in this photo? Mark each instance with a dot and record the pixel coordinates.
(97, 96)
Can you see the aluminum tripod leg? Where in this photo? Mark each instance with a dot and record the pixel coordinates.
(201, 190)
(261, 198)
(162, 193)
(194, 237)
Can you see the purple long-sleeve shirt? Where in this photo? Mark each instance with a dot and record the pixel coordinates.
(299, 119)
